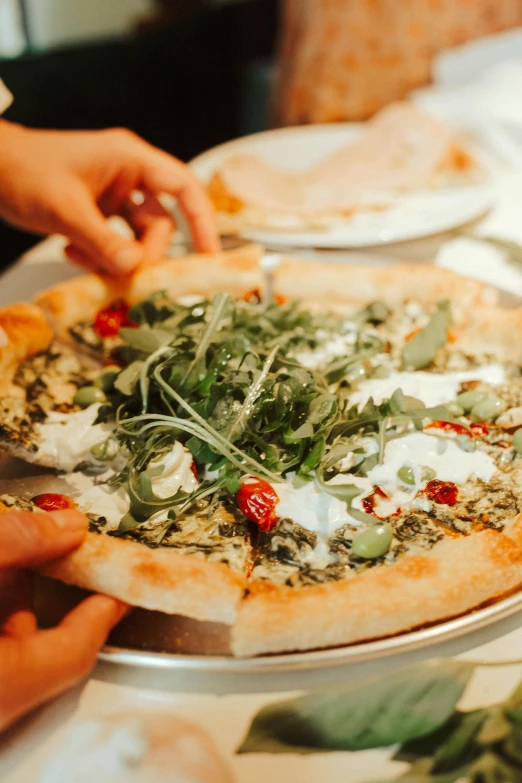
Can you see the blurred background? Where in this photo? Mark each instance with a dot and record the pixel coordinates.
(189, 74)
(184, 74)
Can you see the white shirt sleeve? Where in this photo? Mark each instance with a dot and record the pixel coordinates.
(6, 98)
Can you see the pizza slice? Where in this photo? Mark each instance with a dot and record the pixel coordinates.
(338, 465)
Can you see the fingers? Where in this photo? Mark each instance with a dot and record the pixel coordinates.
(94, 242)
(200, 215)
(153, 226)
(28, 539)
(16, 603)
(34, 669)
(162, 173)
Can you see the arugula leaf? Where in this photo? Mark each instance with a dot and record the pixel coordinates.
(146, 339)
(407, 704)
(196, 367)
(420, 351)
(321, 408)
(128, 378)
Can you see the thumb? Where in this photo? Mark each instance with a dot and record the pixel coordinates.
(100, 247)
(29, 538)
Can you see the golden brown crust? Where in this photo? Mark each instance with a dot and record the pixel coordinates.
(81, 298)
(358, 284)
(160, 579)
(24, 331)
(454, 577)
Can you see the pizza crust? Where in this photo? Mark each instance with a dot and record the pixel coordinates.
(81, 298)
(157, 579)
(24, 332)
(455, 576)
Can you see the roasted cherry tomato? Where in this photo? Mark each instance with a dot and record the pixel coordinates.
(369, 502)
(452, 426)
(110, 320)
(254, 297)
(449, 426)
(52, 501)
(479, 429)
(445, 492)
(257, 500)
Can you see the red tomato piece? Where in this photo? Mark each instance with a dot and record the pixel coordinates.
(257, 500)
(449, 426)
(52, 501)
(445, 492)
(369, 502)
(111, 319)
(253, 296)
(194, 470)
(475, 429)
(479, 429)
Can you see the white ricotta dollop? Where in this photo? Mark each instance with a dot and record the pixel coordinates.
(177, 472)
(105, 501)
(66, 439)
(432, 388)
(319, 512)
(442, 454)
(312, 508)
(95, 750)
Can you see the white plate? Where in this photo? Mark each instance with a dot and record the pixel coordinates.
(413, 215)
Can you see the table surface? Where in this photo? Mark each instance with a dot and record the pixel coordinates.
(45, 264)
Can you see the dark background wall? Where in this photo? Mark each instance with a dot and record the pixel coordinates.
(184, 83)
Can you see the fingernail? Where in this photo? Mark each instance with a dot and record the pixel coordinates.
(113, 605)
(69, 521)
(127, 257)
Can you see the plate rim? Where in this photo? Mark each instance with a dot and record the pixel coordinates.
(326, 239)
(446, 631)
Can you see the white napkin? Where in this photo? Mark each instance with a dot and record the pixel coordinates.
(480, 261)
(478, 89)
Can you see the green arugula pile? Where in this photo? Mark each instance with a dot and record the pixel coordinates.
(223, 378)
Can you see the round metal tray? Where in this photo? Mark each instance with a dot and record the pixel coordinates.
(499, 617)
(225, 674)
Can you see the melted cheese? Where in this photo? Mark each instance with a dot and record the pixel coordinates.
(66, 439)
(442, 454)
(176, 474)
(431, 388)
(104, 501)
(313, 508)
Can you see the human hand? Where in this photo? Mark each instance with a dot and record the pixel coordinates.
(68, 182)
(37, 665)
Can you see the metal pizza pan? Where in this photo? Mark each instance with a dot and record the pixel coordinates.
(202, 664)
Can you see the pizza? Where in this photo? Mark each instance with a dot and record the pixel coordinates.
(399, 151)
(340, 464)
